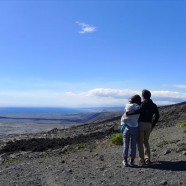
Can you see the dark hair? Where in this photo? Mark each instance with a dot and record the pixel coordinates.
(135, 99)
(146, 94)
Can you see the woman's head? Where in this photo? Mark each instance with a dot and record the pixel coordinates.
(135, 99)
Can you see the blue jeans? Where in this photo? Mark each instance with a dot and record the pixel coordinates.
(130, 137)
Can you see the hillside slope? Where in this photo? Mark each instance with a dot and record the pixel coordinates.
(84, 155)
(172, 114)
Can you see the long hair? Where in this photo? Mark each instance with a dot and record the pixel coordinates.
(135, 99)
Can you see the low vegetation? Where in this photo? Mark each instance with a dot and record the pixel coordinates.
(117, 139)
(81, 146)
(181, 125)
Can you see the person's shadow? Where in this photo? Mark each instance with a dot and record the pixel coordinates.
(169, 165)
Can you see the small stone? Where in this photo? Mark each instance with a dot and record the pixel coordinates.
(96, 154)
(180, 183)
(70, 170)
(166, 152)
(1, 160)
(164, 182)
(184, 152)
(105, 172)
(12, 156)
(102, 168)
(63, 161)
(181, 147)
(101, 158)
(30, 156)
(48, 167)
(65, 149)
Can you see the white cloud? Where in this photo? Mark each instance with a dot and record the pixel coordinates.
(170, 96)
(180, 86)
(86, 28)
(114, 93)
(120, 96)
(93, 97)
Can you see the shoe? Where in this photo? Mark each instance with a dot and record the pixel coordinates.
(132, 163)
(148, 162)
(125, 164)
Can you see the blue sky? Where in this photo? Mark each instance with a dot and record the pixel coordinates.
(91, 53)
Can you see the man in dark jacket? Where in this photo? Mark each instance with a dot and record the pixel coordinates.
(149, 116)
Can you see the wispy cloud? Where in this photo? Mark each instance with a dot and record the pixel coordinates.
(86, 28)
(179, 86)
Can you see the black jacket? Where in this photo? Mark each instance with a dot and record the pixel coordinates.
(149, 112)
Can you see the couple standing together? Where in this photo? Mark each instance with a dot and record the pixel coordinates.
(139, 120)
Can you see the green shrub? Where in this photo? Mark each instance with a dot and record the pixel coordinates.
(8, 161)
(181, 125)
(117, 139)
(170, 142)
(81, 146)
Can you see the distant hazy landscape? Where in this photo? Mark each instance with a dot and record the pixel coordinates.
(17, 120)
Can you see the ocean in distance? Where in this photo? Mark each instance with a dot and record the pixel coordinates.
(63, 110)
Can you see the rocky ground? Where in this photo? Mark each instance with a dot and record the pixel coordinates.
(84, 155)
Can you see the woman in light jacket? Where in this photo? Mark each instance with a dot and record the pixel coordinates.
(130, 134)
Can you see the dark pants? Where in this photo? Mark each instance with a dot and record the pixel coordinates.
(130, 137)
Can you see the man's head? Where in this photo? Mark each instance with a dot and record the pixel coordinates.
(146, 94)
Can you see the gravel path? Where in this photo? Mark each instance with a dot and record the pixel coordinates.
(99, 163)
